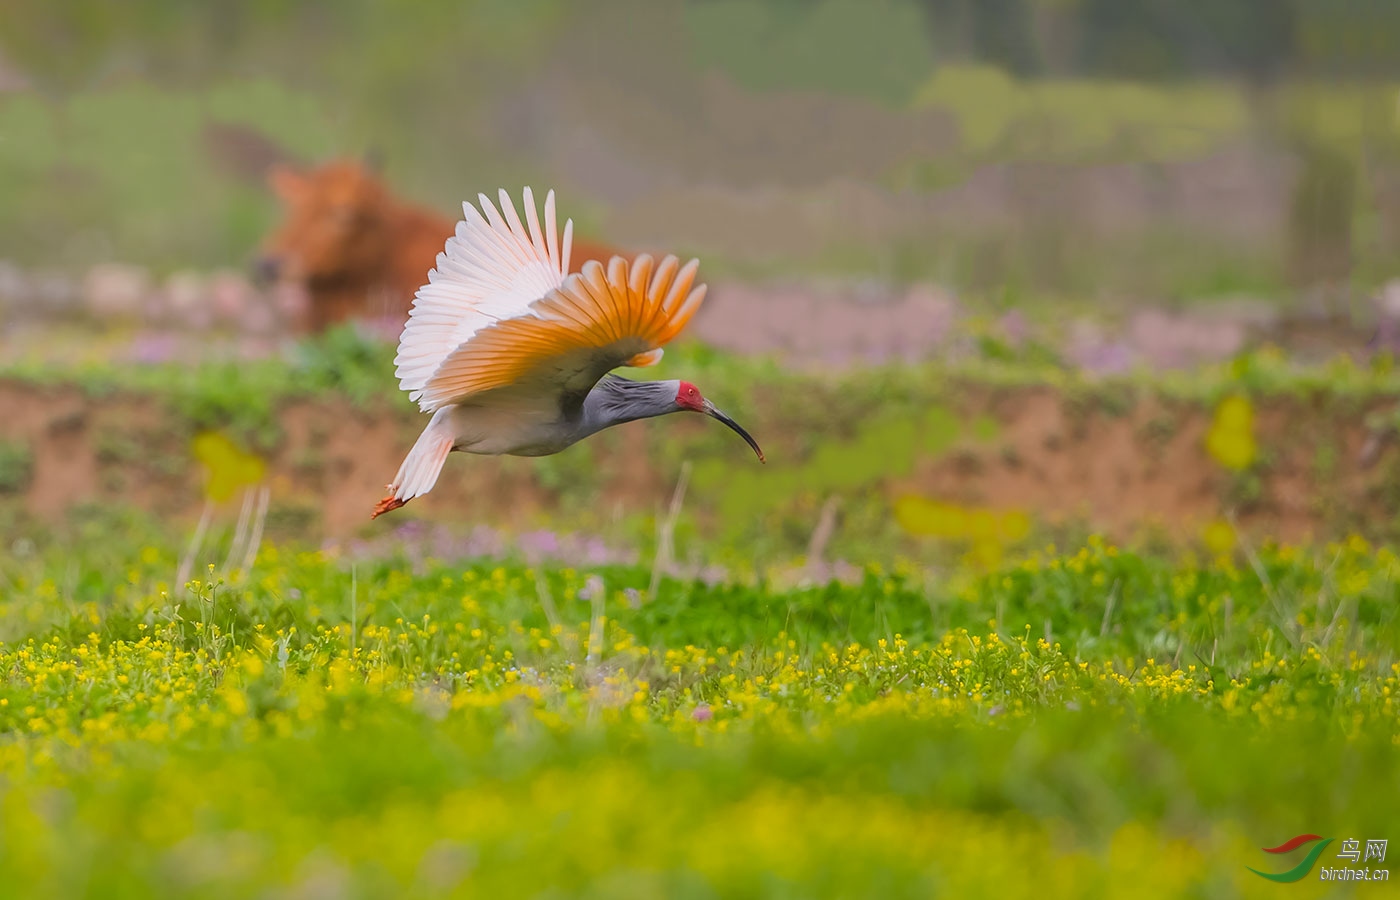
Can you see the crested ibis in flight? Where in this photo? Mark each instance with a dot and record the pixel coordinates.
(513, 355)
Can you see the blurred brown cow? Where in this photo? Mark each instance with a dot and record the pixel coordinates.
(359, 250)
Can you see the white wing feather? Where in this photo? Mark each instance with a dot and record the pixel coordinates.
(493, 268)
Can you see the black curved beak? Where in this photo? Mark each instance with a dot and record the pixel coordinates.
(714, 413)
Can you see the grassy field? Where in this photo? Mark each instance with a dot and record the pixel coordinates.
(1085, 722)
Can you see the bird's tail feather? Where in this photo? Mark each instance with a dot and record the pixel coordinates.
(422, 466)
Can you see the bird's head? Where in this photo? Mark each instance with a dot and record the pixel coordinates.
(688, 397)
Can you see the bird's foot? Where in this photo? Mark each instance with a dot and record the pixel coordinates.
(388, 504)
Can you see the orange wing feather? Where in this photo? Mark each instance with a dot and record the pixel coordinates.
(595, 321)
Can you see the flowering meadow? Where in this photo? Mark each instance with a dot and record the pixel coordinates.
(1069, 567)
(1086, 722)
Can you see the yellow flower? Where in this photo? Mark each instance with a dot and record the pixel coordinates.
(1219, 537)
(1231, 437)
(227, 466)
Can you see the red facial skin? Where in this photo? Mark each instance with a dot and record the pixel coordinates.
(688, 397)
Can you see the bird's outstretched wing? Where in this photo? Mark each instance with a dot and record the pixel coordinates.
(594, 321)
(492, 269)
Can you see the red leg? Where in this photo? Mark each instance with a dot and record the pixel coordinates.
(388, 504)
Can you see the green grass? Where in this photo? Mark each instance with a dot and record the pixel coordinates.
(16, 466)
(1091, 723)
(244, 394)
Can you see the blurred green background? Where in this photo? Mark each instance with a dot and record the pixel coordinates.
(1101, 149)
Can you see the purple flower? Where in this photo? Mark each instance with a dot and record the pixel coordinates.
(537, 544)
(1014, 328)
(152, 348)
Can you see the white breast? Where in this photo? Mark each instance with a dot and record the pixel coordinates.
(511, 429)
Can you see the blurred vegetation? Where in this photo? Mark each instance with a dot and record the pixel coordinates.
(1321, 217)
(16, 466)
(863, 438)
(346, 363)
(116, 150)
(1001, 117)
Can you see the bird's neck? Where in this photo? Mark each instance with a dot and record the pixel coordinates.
(616, 400)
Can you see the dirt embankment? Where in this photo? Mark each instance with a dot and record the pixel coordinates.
(1147, 467)
(1125, 470)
